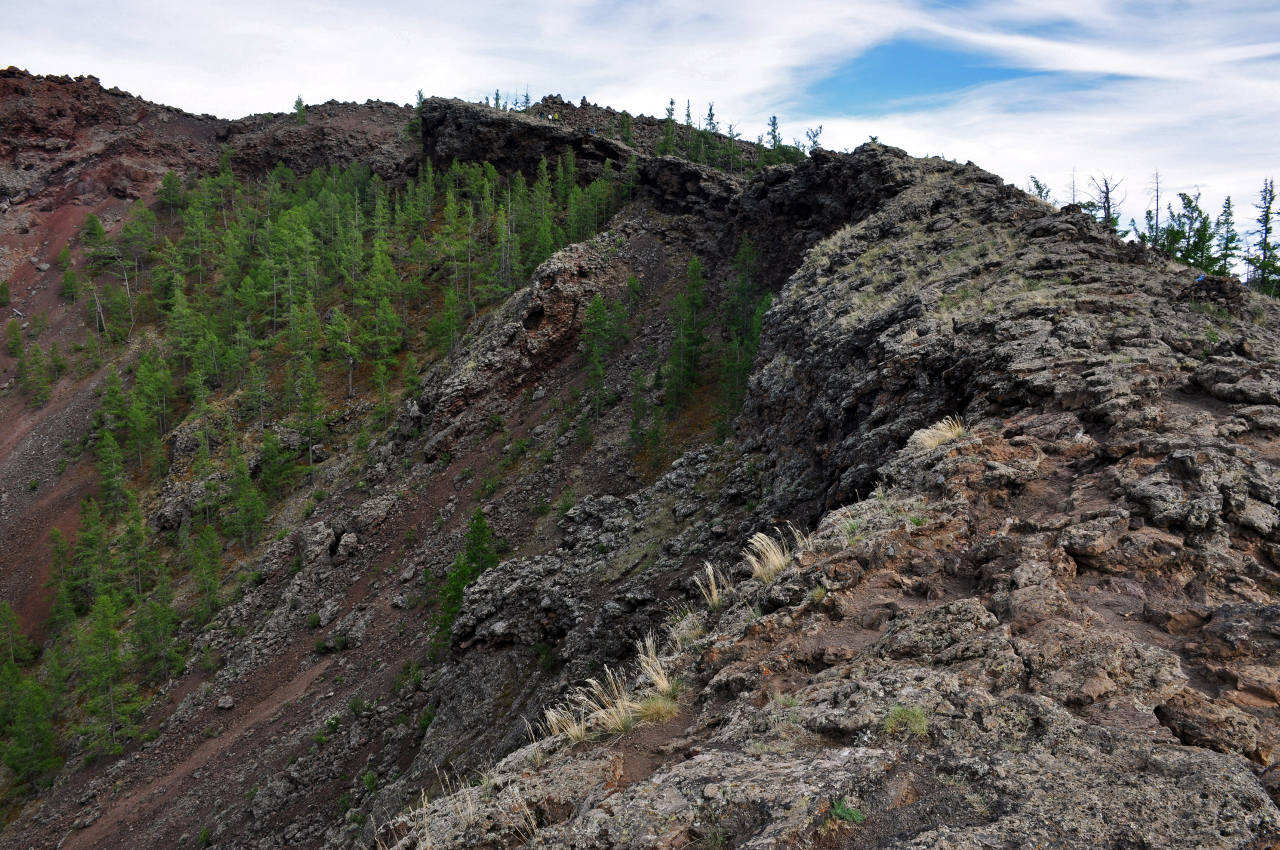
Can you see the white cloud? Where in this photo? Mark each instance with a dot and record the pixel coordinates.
(1188, 87)
(1127, 129)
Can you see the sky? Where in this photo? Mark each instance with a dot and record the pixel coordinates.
(1067, 91)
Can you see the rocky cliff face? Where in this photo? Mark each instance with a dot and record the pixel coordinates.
(1072, 599)
(1057, 625)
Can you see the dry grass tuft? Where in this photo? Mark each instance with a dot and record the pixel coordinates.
(950, 428)
(461, 799)
(606, 703)
(563, 720)
(651, 666)
(714, 586)
(766, 556)
(803, 542)
(513, 800)
(684, 628)
(658, 708)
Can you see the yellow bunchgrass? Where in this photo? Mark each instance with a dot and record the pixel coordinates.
(461, 799)
(767, 556)
(950, 428)
(563, 720)
(651, 666)
(803, 542)
(606, 703)
(714, 586)
(658, 708)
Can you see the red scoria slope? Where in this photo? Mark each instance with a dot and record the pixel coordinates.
(70, 148)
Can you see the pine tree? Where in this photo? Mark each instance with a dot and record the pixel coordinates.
(36, 376)
(136, 557)
(775, 134)
(155, 383)
(22, 367)
(57, 363)
(202, 463)
(479, 549)
(443, 327)
(13, 338)
(1263, 261)
(171, 195)
(380, 331)
(304, 327)
(57, 674)
(1226, 239)
(686, 135)
(197, 238)
(732, 156)
(91, 567)
(14, 645)
(735, 369)
(111, 480)
(310, 404)
(109, 700)
(577, 216)
(631, 179)
(506, 251)
(92, 233)
(639, 411)
(255, 396)
(689, 340)
(381, 379)
(276, 467)
(61, 575)
(114, 407)
(340, 334)
(116, 312)
(299, 111)
(206, 568)
(167, 276)
(137, 239)
(31, 751)
(598, 334)
(1189, 234)
(10, 677)
(152, 637)
(248, 510)
(560, 184)
(478, 554)
(667, 144)
(566, 176)
(140, 426)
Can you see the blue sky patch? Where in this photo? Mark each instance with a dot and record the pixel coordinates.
(883, 78)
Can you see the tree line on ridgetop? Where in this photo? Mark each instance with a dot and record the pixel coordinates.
(1187, 233)
(706, 141)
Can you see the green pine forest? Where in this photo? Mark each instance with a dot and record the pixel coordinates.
(257, 304)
